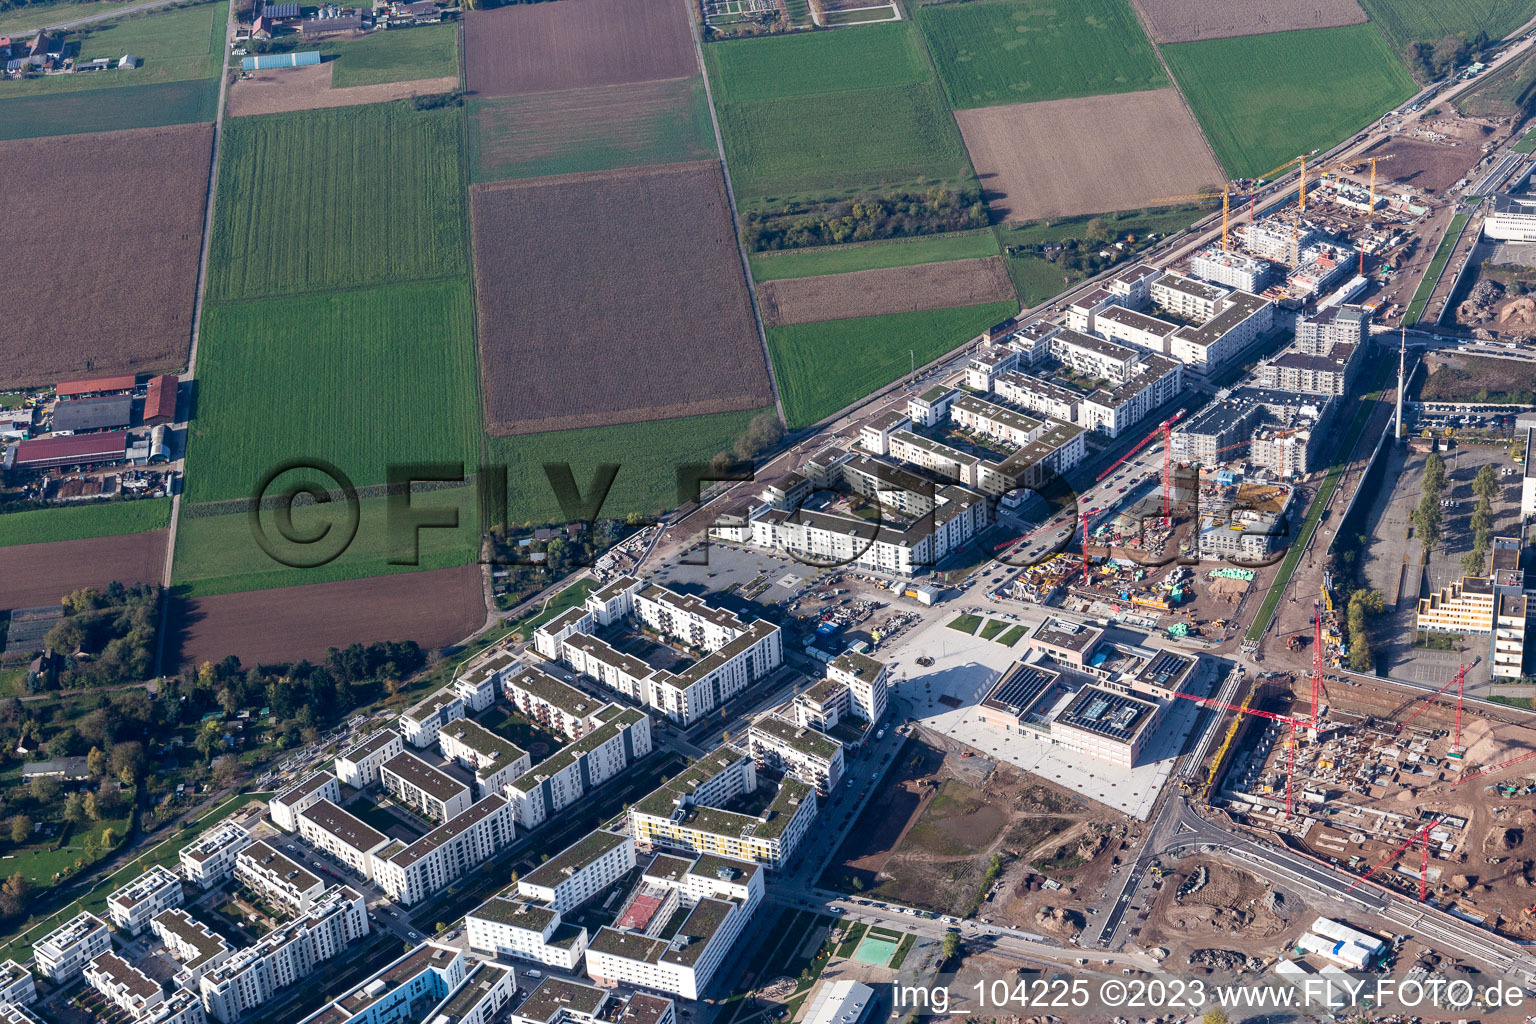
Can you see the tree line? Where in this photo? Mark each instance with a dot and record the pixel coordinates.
(896, 214)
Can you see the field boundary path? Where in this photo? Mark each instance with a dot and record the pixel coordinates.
(730, 202)
(197, 316)
(1157, 48)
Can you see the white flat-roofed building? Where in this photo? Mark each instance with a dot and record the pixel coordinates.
(422, 723)
(131, 907)
(455, 848)
(184, 1006)
(1241, 318)
(495, 761)
(526, 931)
(63, 953)
(1187, 298)
(478, 682)
(331, 829)
(580, 871)
(197, 949)
(16, 984)
(415, 987)
(808, 754)
(284, 956)
(310, 790)
(359, 766)
(210, 858)
(277, 878)
(866, 680)
(1110, 726)
(622, 738)
(123, 985)
(15, 1013)
(557, 706)
(1512, 219)
(1233, 269)
(481, 998)
(417, 784)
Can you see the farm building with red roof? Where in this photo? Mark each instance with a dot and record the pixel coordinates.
(160, 402)
(74, 450)
(97, 386)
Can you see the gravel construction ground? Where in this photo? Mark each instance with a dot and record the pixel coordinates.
(82, 301)
(435, 609)
(891, 290)
(636, 308)
(39, 574)
(1184, 21)
(1430, 166)
(1115, 152)
(276, 92)
(539, 47)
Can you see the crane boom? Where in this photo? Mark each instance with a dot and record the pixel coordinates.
(1461, 674)
(1496, 767)
(1398, 853)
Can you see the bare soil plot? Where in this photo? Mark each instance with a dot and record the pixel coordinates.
(1430, 166)
(105, 282)
(890, 290)
(1185, 21)
(434, 608)
(277, 92)
(39, 574)
(539, 47)
(636, 308)
(1116, 152)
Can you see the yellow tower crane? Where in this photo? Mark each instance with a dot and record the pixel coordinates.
(1225, 195)
(1356, 162)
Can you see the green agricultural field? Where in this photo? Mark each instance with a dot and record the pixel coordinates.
(399, 55)
(359, 378)
(648, 456)
(823, 367)
(1035, 279)
(113, 519)
(43, 13)
(991, 52)
(109, 110)
(897, 252)
(592, 129)
(827, 112)
(338, 198)
(217, 554)
(1263, 100)
(1408, 21)
(176, 45)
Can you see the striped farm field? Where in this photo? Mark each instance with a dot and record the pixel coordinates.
(1409, 21)
(79, 522)
(338, 198)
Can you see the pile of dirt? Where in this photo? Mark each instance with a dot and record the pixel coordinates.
(1479, 303)
(1225, 960)
(1512, 838)
(1519, 312)
(1059, 920)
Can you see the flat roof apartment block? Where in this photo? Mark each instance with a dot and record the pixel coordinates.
(210, 858)
(359, 766)
(63, 953)
(310, 790)
(275, 877)
(580, 871)
(132, 906)
(426, 789)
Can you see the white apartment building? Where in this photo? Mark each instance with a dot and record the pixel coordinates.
(580, 871)
(16, 984)
(210, 858)
(455, 848)
(197, 949)
(737, 653)
(1241, 319)
(1233, 269)
(867, 681)
(123, 985)
(524, 930)
(1274, 240)
(479, 681)
(1187, 298)
(415, 987)
(183, 1006)
(686, 813)
(481, 998)
(284, 956)
(558, 1001)
(808, 754)
(131, 907)
(555, 705)
(351, 841)
(63, 953)
(310, 790)
(722, 895)
(416, 784)
(494, 761)
(422, 723)
(359, 766)
(277, 878)
(623, 737)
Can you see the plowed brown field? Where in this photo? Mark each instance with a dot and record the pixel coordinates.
(434, 608)
(39, 574)
(1105, 153)
(309, 88)
(105, 234)
(538, 47)
(635, 308)
(1184, 21)
(805, 300)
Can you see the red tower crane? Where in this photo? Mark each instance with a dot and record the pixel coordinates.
(1495, 767)
(1165, 431)
(1422, 835)
(1458, 682)
(1290, 772)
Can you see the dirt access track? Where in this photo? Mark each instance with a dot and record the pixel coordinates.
(112, 225)
(540, 47)
(805, 300)
(1431, 166)
(1116, 152)
(277, 92)
(1185, 21)
(635, 310)
(39, 574)
(434, 608)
